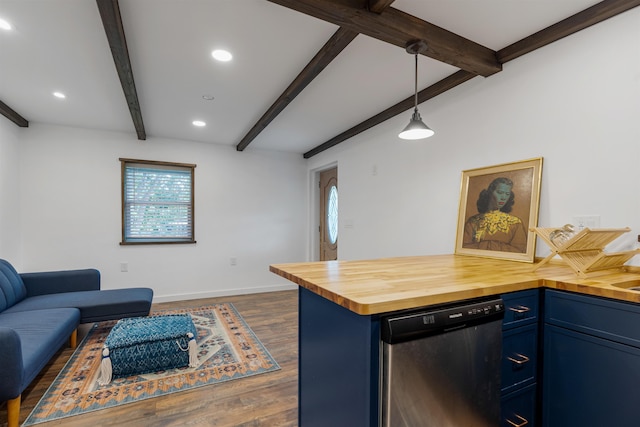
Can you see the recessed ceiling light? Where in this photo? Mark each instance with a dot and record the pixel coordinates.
(59, 95)
(4, 25)
(199, 123)
(222, 55)
(207, 97)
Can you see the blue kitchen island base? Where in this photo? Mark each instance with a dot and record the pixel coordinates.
(338, 365)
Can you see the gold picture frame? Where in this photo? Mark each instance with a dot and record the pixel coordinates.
(498, 208)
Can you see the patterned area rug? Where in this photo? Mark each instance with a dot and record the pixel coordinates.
(228, 350)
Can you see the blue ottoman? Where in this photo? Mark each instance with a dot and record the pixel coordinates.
(141, 345)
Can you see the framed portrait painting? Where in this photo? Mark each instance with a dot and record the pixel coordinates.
(498, 207)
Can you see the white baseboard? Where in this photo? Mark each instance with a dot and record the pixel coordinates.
(223, 293)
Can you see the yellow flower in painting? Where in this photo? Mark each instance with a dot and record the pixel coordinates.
(492, 222)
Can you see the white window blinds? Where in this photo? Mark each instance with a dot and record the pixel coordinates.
(157, 201)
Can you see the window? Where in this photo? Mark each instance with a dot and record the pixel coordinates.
(157, 202)
(332, 215)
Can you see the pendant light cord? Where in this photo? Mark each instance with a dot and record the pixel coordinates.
(416, 129)
(416, 85)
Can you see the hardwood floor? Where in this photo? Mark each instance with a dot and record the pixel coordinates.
(269, 399)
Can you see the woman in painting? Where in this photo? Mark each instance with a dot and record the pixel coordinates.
(494, 228)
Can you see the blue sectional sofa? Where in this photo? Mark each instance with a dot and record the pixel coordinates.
(40, 312)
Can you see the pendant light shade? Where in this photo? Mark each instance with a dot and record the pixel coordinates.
(416, 129)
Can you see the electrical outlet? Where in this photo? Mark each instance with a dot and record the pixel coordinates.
(124, 267)
(590, 221)
(233, 261)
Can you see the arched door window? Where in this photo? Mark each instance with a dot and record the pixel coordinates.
(332, 215)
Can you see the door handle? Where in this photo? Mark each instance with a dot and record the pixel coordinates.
(520, 309)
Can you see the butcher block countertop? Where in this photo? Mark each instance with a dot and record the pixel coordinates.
(389, 284)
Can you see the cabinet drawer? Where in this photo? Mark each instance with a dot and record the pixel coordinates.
(521, 308)
(518, 409)
(519, 357)
(612, 320)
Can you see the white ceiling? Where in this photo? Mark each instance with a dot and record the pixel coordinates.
(60, 45)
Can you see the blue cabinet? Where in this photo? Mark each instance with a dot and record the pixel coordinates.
(520, 358)
(591, 361)
(338, 365)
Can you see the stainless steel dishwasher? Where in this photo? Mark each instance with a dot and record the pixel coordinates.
(441, 366)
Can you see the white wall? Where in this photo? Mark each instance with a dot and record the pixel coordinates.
(9, 194)
(248, 205)
(576, 103)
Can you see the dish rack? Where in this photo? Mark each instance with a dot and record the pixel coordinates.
(584, 251)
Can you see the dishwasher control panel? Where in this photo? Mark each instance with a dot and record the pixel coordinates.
(433, 320)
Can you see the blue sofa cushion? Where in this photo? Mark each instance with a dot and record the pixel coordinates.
(12, 289)
(95, 306)
(28, 341)
(55, 282)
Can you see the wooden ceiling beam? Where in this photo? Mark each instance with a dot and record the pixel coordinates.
(320, 61)
(399, 28)
(112, 22)
(378, 6)
(10, 114)
(432, 91)
(581, 20)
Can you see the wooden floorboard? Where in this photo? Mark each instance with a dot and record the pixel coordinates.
(269, 399)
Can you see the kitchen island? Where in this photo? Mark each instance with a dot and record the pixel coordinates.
(341, 302)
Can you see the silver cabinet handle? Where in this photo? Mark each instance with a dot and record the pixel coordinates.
(523, 359)
(520, 309)
(520, 423)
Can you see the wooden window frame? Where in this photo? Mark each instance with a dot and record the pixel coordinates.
(155, 240)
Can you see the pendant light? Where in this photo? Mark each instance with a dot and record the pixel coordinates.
(416, 129)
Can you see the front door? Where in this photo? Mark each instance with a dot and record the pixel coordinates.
(329, 215)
